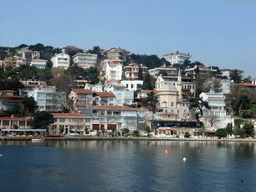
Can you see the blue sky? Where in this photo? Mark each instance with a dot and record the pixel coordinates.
(220, 33)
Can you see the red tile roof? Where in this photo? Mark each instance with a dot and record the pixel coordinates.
(105, 94)
(13, 118)
(113, 108)
(231, 70)
(109, 81)
(247, 84)
(83, 91)
(72, 47)
(69, 115)
(148, 91)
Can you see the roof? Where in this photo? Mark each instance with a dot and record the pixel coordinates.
(72, 47)
(69, 115)
(83, 91)
(109, 81)
(163, 67)
(114, 62)
(13, 118)
(39, 60)
(231, 70)
(148, 91)
(174, 77)
(113, 108)
(247, 84)
(105, 94)
(201, 67)
(253, 79)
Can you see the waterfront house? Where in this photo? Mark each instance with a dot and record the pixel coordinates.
(65, 123)
(113, 118)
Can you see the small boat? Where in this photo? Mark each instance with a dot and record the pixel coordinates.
(37, 140)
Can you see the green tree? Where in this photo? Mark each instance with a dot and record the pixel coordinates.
(147, 83)
(229, 128)
(147, 129)
(197, 103)
(136, 133)
(151, 100)
(93, 75)
(236, 76)
(29, 105)
(221, 133)
(248, 128)
(140, 76)
(42, 119)
(16, 109)
(49, 64)
(240, 132)
(187, 135)
(75, 71)
(125, 131)
(241, 103)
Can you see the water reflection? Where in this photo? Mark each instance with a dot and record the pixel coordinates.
(128, 166)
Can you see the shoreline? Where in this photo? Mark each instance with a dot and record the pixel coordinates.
(125, 139)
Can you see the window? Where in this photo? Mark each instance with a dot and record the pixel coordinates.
(71, 120)
(88, 120)
(131, 85)
(109, 112)
(126, 85)
(172, 104)
(62, 120)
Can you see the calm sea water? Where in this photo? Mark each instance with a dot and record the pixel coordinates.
(127, 166)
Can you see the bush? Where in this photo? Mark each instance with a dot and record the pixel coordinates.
(229, 128)
(136, 133)
(248, 128)
(187, 135)
(221, 133)
(240, 132)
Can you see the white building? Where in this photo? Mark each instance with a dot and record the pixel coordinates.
(132, 85)
(47, 98)
(164, 71)
(113, 70)
(227, 72)
(104, 99)
(144, 93)
(177, 57)
(65, 123)
(123, 95)
(61, 60)
(217, 103)
(39, 63)
(94, 88)
(81, 98)
(131, 71)
(85, 60)
(253, 81)
(113, 118)
(1, 63)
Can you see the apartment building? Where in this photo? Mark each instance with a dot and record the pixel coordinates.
(113, 118)
(81, 98)
(177, 57)
(85, 60)
(131, 71)
(61, 60)
(66, 123)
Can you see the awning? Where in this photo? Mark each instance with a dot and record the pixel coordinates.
(164, 128)
(14, 130)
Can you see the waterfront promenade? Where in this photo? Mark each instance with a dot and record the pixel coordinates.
(89, 138)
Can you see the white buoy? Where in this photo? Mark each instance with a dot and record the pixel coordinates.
(1, 155)
(184, 159)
